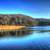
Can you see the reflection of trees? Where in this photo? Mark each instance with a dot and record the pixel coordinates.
(43, 31)
(22, 32)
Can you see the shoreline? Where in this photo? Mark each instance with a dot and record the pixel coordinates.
(10, 27)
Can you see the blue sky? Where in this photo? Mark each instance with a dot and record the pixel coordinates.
(33, 8)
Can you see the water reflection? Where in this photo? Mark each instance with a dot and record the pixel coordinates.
(17, 33)
(25, 31)
(36, 39)
(39, 29)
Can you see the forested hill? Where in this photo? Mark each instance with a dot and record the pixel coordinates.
(21, 19)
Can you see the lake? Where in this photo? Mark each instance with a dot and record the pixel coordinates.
(38, 39)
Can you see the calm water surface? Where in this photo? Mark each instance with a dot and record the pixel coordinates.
(38, 39)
